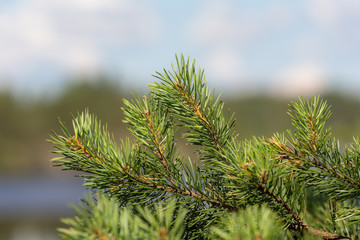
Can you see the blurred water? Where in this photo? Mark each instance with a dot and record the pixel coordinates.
(30, 208)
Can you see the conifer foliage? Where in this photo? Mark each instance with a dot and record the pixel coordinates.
(295, 185)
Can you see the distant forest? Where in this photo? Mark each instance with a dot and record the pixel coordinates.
(25, 125)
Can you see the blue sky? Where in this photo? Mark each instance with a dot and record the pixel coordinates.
(283, 48)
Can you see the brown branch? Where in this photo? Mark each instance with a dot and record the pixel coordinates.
(99, 235)
(216, 193)
(163, 234)
(300, 225)
(197, 110)
(313, 133)
(76, 145)
(175, 190)
(326, 235)
(171, 189)
(160, 153)
(284, 155)
(334, 172)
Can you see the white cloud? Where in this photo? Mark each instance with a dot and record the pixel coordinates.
(225, 65)
(339, 20)
(216, 24)
(223, 31)
(335, 36)
(306, 78)
(223, 22)
(74, 35)
(330, 12)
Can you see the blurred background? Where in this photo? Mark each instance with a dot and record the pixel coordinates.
(58, 57)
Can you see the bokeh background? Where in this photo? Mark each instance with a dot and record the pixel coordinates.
(59, 57)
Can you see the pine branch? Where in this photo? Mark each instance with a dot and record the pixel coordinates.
(149, 121)
(185, 92)
(276, 172)
(101, 218)
(153, 180)
(250, 223)
(317, 156)
(299, 223)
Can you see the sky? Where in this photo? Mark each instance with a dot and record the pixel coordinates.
(283, 48)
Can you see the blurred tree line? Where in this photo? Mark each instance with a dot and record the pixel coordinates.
(25, 124)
